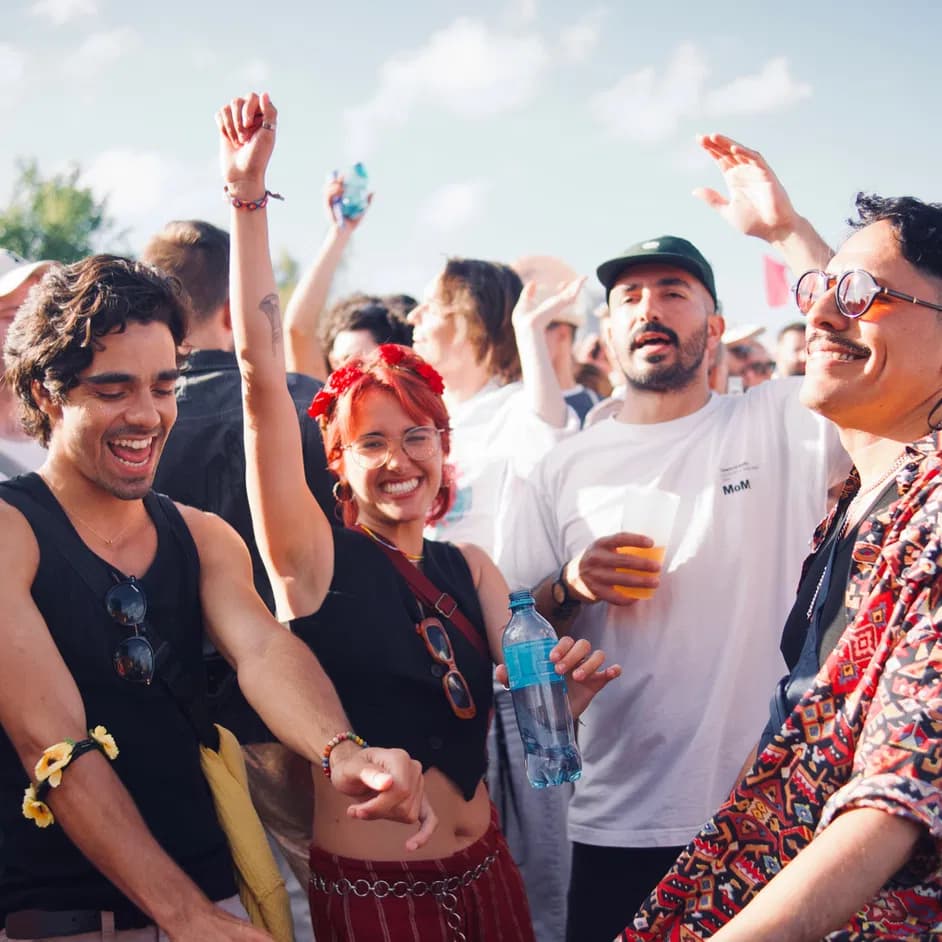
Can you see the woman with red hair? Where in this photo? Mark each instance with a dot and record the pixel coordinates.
(412, 664)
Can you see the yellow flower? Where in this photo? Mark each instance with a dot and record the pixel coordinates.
(36, 810)
(53, 761)
(106, 741)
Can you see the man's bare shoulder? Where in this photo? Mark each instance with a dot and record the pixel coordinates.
(213, 535)
(19, 551)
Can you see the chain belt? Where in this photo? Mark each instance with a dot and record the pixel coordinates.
(444, 890)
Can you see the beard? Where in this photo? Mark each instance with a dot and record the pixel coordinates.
(669, 376)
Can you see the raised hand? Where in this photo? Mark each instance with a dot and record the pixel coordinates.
(333, 191)
(246, 141)
(757, 204)
(528, 313)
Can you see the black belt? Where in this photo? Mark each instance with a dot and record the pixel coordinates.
(40, 924)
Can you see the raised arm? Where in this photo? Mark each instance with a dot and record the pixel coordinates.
(91, 804)
(530, 320)
(758, 205)
(304, 353)
(292, 533)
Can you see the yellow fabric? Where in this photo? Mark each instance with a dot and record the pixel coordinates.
(261, 887)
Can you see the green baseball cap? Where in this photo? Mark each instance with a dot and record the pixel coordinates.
(670, 250)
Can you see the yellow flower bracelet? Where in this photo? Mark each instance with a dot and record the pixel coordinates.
(50, 766)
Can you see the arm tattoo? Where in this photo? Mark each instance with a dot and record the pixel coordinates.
(270, 307)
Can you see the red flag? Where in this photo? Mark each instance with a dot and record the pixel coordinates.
(777, 291)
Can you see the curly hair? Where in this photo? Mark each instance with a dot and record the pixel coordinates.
(58, 329)
(918, 227)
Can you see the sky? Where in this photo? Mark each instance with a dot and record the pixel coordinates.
(493, 130)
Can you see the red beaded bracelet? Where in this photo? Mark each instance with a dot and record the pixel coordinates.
(260, 203)
(336, 741)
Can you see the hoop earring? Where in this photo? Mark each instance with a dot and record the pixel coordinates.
(342, 492)
(935, 425)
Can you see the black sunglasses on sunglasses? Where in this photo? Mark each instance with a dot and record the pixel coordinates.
(133, 658)
(856, 291)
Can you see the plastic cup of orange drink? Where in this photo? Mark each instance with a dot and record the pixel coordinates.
(647, 512)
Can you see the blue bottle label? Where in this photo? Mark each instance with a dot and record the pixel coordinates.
(528, 663)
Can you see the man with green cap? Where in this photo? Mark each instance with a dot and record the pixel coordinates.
(745, 479)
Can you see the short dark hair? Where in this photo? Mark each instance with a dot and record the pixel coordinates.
(197, 254)
(383, 317)
(59, 327)
(918, 227)
(491, 290)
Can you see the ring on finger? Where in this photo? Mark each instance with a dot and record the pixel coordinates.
(269, 125)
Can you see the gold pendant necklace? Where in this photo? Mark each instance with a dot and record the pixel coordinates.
(376, 538)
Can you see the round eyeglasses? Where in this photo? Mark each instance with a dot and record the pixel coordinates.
(373, 451)
(133, 658)
(856, 291)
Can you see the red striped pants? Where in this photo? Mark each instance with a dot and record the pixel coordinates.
(475, 895)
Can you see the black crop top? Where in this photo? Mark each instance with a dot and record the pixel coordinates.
(390, 685)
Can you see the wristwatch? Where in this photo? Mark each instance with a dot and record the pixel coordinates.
(560, 591)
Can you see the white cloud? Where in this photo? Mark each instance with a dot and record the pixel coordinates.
(770, 89)
(99, 50)
(578, 41)
(453, 206)
(643, 106)
(12, 66)
(465, 69)
(59, 12)
(135, 182)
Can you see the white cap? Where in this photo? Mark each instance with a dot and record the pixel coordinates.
(15, 270)
(740, 333)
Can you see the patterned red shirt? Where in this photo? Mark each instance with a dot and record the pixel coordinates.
(867, 734)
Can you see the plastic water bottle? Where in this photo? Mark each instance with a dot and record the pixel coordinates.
(539, 695)
(355, 192)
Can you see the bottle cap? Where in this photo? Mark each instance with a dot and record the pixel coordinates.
(520, 598)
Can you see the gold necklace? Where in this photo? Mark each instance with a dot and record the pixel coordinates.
(412, 557)
(108, 542)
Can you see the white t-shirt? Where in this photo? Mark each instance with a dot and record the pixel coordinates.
(662, 744)
(23, 454)
(496, 440)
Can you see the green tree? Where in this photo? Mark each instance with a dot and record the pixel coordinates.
(287, 273)
(54, 217)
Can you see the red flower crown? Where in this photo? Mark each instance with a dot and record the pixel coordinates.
(342, 379)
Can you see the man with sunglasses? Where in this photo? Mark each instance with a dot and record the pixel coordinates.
(93, 357)
(833, 828)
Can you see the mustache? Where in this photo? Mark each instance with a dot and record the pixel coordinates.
(659, 330)
(836, 340)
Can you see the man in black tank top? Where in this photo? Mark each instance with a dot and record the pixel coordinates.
(93, 357)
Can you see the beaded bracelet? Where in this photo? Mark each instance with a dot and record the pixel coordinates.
(50, 766)
(260, 203)
(336, 741)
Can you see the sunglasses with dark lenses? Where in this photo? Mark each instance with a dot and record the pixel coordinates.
(760, 367)
(133, 658)
(455, 686)
(372, 451)
(856, 291)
